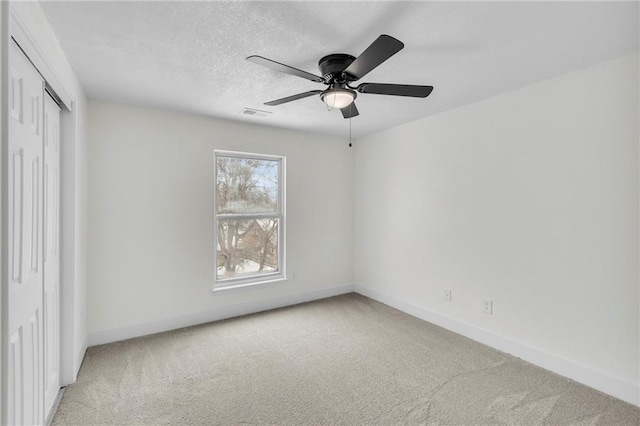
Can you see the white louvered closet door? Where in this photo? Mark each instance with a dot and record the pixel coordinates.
(51, 256)
(25, 237)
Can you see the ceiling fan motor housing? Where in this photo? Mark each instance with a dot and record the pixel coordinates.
(331, 66)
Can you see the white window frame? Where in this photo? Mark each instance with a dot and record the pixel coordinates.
(276, 276)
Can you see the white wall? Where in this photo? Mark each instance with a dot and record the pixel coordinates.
(529, 198)
(150, 245)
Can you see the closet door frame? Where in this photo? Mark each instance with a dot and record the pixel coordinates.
(17, 25)
(51, 249)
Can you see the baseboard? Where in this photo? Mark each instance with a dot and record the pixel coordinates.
(79, 359)
(599, 380)
(54, 407)
(231, 311)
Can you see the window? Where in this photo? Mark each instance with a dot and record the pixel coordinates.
(249, 218)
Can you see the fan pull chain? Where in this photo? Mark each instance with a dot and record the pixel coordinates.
(350, 124)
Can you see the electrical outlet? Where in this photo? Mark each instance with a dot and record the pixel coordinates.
(447, 295)
(487, 306)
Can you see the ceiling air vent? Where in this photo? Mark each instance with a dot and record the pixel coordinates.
(255, 112)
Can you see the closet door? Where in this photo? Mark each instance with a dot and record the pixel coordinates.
(51, 252)
(25, 280)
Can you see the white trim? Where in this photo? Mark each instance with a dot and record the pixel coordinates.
(4, 206)
(28, 43)
(253, 284)
(80, 358)
(215, 314)
(252, 155)
(604, 382)
(280, 215)
(54, 407)
(249, 280)
(68, 229)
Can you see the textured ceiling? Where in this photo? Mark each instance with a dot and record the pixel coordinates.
(190, 56)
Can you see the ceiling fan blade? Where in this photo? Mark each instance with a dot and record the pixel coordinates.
(284, 68)
(379, 51)
(350, 111)
(293, 98)
(396, 89)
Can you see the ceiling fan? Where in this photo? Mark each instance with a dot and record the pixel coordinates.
(339, 70)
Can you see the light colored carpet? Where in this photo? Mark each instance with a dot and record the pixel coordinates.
(343, 360)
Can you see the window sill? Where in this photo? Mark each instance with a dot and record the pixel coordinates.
(279, 280)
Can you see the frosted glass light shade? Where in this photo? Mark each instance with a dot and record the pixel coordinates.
(338, 98)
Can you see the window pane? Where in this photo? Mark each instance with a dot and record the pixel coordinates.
(246, 185)
(247, 247)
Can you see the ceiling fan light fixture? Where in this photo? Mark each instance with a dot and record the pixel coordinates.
(338, 97)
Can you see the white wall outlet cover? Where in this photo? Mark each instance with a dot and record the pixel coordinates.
(487, 306)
